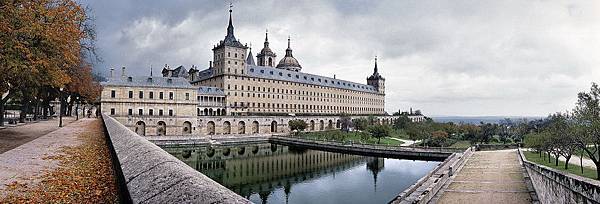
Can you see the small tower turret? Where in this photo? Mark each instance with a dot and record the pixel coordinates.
(266, 57)
(377, 80)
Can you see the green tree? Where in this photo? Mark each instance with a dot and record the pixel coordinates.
(402, 122)
(297, 126)
(378, 131)
(360, 123)
(587, 114)
(345, 122)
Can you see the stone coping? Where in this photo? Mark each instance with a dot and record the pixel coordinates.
(430, 185)
(565, 187)
(152, 175)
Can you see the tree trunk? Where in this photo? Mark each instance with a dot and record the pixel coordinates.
(378, 140)
(1, 113)
(23, 113)
(556, 159)
(567, 161)
(581, 162)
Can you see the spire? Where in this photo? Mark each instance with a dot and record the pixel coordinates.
(230, 37)
(375, 64)
(288, 51)
(267, 38)
(150, 70)
(250, 58)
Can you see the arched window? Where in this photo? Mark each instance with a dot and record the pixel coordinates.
(270, 62)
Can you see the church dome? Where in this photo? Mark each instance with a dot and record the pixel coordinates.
(289, 62)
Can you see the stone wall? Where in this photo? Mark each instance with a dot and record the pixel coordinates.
(553, 186)
(152, 175)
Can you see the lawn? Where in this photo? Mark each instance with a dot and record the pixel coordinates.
(461, 144)
(347, 137)
(574, 169)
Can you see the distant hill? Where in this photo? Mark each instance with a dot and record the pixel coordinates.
(478, 119)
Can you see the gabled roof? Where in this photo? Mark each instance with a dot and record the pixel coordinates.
(292, 76)
(146, 81)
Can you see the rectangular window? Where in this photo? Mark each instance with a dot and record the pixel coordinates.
(170, 112)
(160, 95)
(170, 95)
(151, 95)
(112, 111)
(113, 93)
(187, 96)
(141, 95)
(130, 112)
(160, 112)
(151, 112)
(141, 112)
(130, 94)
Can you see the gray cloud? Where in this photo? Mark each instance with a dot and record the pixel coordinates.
(447, 58)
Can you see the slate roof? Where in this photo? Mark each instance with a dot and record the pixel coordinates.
(292, 76)
(210, 90)
(146, 81)
(250, 59)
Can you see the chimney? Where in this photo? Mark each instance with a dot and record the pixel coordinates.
(123, 71)
(111, 72)
(209, 64)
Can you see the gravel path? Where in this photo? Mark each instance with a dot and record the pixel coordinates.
(488, 177)
(15, 136)
(406, 142)
(575, 161)
(25, 163)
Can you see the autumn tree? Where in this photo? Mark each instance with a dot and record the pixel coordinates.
(41, 41)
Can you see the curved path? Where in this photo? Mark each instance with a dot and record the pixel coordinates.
(488, 177)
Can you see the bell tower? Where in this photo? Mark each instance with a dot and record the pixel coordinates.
(266, 57)
(377, 80)
(229, 55)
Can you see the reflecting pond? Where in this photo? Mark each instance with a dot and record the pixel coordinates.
(270, 173)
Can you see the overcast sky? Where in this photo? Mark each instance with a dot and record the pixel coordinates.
(478, 57)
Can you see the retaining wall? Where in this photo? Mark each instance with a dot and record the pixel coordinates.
(152, 175)
(553, 186)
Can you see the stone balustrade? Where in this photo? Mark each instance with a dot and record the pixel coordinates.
(151, 175)
(554, 186)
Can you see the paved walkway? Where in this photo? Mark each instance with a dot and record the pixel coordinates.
(575, 161)
(406, 142)
(15, 136)
(488, 177)
(27, 162)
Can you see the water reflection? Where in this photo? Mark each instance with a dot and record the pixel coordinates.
(270, 173)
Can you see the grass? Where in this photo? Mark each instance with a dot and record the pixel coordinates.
(347, 137)
(400, 134)
(461, 144)
(574, 169)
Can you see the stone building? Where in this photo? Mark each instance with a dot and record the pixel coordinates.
(237, 94)
(282, 89)
(151, 105)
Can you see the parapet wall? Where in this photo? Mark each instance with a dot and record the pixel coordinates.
(553, 186)
(152, 175)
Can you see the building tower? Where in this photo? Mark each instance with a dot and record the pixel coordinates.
(289, 62)
(250, 59)
(266, 57)
(229, 54)
(377, 80)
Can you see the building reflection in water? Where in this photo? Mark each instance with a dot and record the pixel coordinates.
(262, 168)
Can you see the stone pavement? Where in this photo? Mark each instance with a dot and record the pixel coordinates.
(488, 177)
(15, 136)
(27, 162)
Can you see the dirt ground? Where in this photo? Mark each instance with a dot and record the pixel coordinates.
(489, 177)
(69, 165)
(15, 136)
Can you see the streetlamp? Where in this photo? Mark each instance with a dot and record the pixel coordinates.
(60, 111)
(77, 108)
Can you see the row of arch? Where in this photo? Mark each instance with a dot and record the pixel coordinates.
(211, 112)
(161, 128)
(241, 128)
